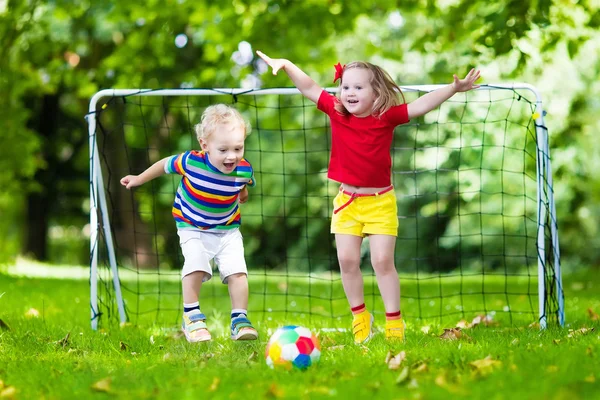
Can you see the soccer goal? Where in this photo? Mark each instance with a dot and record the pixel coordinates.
(477, 236)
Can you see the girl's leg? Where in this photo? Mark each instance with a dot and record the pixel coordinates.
(348, 253)
(382, 259)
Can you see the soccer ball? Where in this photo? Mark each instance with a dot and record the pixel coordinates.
(293, 347)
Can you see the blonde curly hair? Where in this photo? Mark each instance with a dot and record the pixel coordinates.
(216, 115)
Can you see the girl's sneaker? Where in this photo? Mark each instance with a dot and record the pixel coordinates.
(194, 327)
(394, 329)
(242, 329)
(362, 327)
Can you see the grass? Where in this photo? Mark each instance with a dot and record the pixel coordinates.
(47, 350)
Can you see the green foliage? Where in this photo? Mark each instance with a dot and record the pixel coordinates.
(55, 55)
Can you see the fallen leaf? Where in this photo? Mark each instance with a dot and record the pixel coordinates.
(463, 324)
(514, 342)
(102, 385)
(483, 319)
(420, 367)
(215, 384)
(253, 356)
(579, 332)
(454, 334)
(8, 392)
(64, 342)
(535, 325)
(593, 315)
(485, 365)
(4, 325)
(394, 361)
(32, 313)
(274, 392)
(425, 329)
(556, 341)
(404, 374)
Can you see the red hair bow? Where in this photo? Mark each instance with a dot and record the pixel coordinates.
(339, 70)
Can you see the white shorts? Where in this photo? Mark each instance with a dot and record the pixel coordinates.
(199, 248)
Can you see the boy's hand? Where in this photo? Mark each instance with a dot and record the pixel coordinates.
(243, 195)
(463, 85)
(130, 181)
(275, 63)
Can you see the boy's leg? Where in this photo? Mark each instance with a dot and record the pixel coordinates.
(348, 252)
(241, 327)
(382, 259)
(197, 249)
(194, 321)
(233, 271)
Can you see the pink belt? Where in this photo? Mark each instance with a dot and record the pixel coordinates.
(355, 195)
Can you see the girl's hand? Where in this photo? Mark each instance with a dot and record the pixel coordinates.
(463, 85)
(130, 181)
(275, 63)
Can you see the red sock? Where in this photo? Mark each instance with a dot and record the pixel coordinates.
(358, 309)
(393, 315)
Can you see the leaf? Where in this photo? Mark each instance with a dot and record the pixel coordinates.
(274, 392)
(4, 325)
(394, 361)
(64, 342)
(215, 384)
(483, 319)
(425, 329)
(102, 385)
(579, 332)
(8, 392)
(253, 357)
(420, 367)
(463, 324)
(454, 334)
(32, 313)
(593, 315)
(404, 375)
(485, 365)
(123, 346)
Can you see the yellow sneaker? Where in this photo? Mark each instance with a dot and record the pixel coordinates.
(362, 327)
(394, 329)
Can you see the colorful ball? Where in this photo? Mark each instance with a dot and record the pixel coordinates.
(293, 347)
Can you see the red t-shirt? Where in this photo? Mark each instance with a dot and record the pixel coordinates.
(360, 147)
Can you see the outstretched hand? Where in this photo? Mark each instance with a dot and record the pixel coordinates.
(275, 63)
(130, 181)
(463, 85)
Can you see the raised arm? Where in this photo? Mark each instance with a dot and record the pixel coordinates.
(432, 100)
(154, 171)
(309, 88)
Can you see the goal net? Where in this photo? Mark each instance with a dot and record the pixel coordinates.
(477, 236)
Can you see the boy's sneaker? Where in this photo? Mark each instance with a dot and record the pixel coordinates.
(362, 327)
(194, 327)
(242, 329)
(394, 329)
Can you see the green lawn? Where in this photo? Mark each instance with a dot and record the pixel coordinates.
(47, 350)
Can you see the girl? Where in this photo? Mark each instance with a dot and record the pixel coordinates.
(363, 117)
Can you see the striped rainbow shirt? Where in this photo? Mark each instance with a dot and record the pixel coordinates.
(207, 199)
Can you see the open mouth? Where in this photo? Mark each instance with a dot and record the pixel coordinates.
(229, 165)
(352, 101)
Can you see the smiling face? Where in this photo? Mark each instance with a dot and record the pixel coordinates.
(356, 92)
(225, 146)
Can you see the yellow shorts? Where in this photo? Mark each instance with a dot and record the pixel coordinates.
(368, 215)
